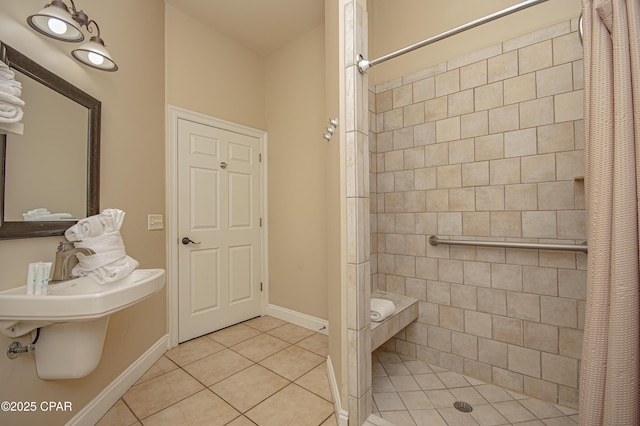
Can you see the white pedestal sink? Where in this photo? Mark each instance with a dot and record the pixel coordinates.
(73, 317)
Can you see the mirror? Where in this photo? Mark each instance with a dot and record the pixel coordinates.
(56, 163)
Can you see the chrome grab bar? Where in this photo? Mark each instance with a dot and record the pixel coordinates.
(434, 241)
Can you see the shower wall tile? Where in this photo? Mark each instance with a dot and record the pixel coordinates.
(519, 89)
(473, 75)
(476, 56)
(424, 89)
(554, 80)
(503, 66)
(486, 146)
(535, 57)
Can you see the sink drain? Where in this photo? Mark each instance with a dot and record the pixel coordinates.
(463, 406)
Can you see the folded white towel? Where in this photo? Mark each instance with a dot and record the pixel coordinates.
(10, 113)
(11, 89)
(101, 233)
(110, 220)
(6, 97)
(44, 214)
(381, 309)
(109, 263)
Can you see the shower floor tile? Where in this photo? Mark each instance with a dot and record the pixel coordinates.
(432, 404)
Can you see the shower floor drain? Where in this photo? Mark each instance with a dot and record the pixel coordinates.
(463, 406)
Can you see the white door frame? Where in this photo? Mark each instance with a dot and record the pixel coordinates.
(176, 113)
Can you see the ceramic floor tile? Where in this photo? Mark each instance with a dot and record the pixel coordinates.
(559, 421)
(418, 367)
(540, 409)
(440, 398)
(429, 382)
(468, 395)
(486, 415)
(388, 401)
(291, 406)
(457, 418)
(395, 369)
(493, 393)
(265, 323)
(246, 389)
(118, 415)
(317, 343)
(453, 380)
(233, 335)
(160, 367)
(415, 400)
(331, 421)
(241, 421)
(514, 411)
(201, 409)
(382, 384)
(218, 366)
(399, 418)
(260, 347)
(159, 393)
(193, 350)
(292, 362)
(404, 383)
(428, 418)
(317, 382)
(291, 333)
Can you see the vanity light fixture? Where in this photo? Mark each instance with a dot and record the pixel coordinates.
(60, 22)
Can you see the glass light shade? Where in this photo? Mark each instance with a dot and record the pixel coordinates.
(95, 55)
(55, 21)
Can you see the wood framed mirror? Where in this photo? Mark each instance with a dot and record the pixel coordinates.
(63, 172)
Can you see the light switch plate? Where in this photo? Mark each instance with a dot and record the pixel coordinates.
(155, 222)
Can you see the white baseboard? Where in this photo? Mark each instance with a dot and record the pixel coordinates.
(341, 415)
(94, 410)
(298, 318)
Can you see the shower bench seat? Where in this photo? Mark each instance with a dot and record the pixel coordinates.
(406, 312)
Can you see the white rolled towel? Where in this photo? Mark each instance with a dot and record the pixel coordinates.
(110, 261)
(110, 220)
(10, 113)
(11, 89)
(10, 99)
(381, 309)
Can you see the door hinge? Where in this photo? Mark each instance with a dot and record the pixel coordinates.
(260, 286)
(260, 222)
(260, 157)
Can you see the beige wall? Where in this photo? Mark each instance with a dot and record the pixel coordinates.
(209, 73)
(297, 154)
(132, 141)
(420, 19)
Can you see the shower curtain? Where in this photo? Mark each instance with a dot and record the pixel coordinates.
(610, 369)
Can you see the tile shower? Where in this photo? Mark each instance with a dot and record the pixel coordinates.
(487, 146)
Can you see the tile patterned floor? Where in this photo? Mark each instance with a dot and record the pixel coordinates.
(269, 372)
(407, 392)
(261, 372)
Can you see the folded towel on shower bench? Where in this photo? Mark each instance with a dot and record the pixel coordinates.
(381, 309)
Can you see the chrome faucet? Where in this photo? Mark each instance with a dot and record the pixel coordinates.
(66, 259)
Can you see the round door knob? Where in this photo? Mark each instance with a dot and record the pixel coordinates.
(187, 240)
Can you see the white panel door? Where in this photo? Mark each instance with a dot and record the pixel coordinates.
(219, 228)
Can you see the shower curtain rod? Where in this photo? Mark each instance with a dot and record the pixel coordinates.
(434, 241)
(364, 65)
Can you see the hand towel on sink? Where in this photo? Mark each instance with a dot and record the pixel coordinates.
(110, 220)
(381, 309)
(101, 233)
